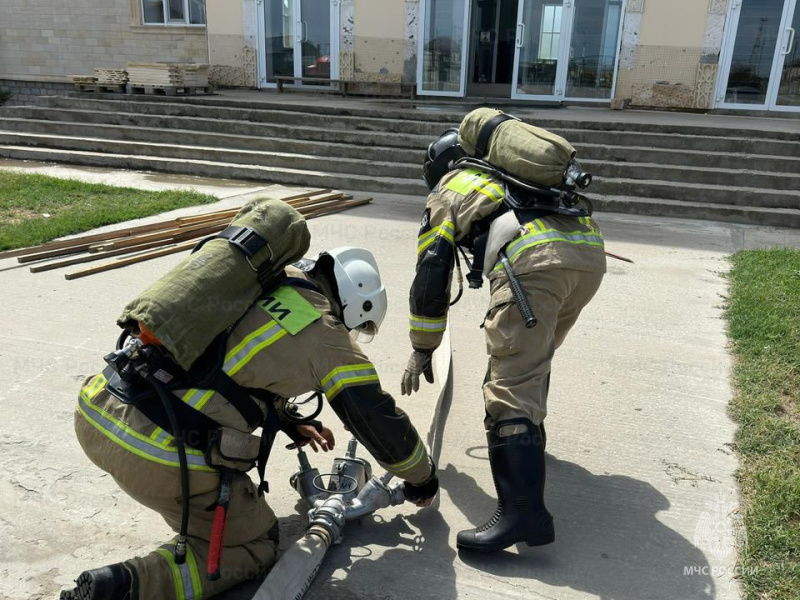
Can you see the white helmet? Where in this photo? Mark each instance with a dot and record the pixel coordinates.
(361, 293)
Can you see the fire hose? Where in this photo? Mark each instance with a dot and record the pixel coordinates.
(340, 501)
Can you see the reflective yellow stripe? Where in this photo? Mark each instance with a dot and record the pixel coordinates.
(446, 230)
(186, 577)
(135, 442)
(177, 580)
(436, 325)
(346, 376)
(197, 398)
(411, 462)
(472, 180)
(244, 352)
(94, 386)
(197, 581)
(536, 237)
(492, 190)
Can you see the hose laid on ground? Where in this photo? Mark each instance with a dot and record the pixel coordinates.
(293, 574)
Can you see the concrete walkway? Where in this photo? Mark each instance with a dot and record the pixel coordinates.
(638, 433)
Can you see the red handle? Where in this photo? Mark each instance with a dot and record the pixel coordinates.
(215, 549)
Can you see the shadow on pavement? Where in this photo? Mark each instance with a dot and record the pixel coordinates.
(609, 542)
(416, 543)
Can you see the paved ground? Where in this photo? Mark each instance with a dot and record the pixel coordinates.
(638, 435)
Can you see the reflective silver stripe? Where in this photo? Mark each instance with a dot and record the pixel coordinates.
(135, 442)
(411, 462)
(551, 235)
(189, 580)
(429, 325)
(342, 377)
(250, 346)
(161, 437)
(197, 398)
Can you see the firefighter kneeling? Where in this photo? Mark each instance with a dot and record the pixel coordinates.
(299, 338)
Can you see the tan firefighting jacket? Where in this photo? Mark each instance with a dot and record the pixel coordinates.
(291, 343)
(463, 198)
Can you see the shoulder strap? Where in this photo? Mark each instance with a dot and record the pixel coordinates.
(482, 143)
(238, 397)
(248, 241)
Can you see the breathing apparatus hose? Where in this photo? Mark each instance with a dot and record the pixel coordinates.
(180, 545)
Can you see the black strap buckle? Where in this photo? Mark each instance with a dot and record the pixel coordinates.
(246, 239)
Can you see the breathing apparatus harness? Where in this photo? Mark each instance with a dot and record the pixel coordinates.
(528, 200)
(138, 372)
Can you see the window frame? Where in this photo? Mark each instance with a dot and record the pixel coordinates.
(167, 22)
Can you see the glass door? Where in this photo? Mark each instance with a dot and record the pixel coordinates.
(299, 40)
(787, 94)
(314, 39)
(279, 39)
(760, 69)
(443, 47)
(543, 30)
(594, 40)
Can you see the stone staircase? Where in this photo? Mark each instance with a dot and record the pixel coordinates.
(693, 171)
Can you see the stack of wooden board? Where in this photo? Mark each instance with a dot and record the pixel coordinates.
(82, 79)
(167, 74)
(145, 242)
(111, 76)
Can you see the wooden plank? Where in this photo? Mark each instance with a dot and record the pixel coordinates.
(116, 264)
(83, 240)
(99, 256)
(166, 235)
(128, 231)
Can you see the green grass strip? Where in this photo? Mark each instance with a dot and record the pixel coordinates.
(35, 208)
(764, 319)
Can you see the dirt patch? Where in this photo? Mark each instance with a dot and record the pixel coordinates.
(15, 216)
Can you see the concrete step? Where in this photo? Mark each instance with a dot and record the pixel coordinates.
(693, 176)
(601, 152)
(212, 140)
(330, 162)
(667, 156)
(166, 123)
(266, 114)
(377, 133)
(425, 111)
(277, 160)
(694, 143)
(781, 217)
(660, 207)
(206, 168)
(706, 194)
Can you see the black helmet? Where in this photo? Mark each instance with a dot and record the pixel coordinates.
(441, 155)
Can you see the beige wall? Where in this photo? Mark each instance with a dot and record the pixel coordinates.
(668, 52)
(231, 53)
(49, 41)
(379, 40)
(673, 23)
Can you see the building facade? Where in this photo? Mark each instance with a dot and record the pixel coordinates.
(691, 54)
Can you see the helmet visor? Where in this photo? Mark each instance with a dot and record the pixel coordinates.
(364, 332)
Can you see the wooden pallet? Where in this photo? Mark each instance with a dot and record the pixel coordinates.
(170, 90)
(101, 88)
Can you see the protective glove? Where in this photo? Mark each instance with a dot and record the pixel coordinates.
(420, 362)
(422, 494)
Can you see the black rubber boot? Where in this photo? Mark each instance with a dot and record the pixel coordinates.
(113, 582)
(518, 471)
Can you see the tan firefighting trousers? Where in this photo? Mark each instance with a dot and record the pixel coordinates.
(519, 358)
(250, 541)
